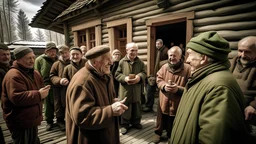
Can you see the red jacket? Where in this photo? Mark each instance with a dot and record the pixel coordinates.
(21, 100)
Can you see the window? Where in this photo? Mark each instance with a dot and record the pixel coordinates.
(88, 34)
(120, 33)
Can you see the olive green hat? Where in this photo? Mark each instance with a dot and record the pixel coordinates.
(210, 44)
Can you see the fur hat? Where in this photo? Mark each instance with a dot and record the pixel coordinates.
(3, 46)
(210, 44)
(97, 51)
(21, 52)
(50, 45)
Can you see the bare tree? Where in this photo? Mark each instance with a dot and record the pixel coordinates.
(39, 36)
(24, 32)
(48, 35)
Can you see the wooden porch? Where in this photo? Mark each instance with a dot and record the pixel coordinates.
(56, 136)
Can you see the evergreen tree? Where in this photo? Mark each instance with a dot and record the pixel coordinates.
(24, 32)
(39, 36)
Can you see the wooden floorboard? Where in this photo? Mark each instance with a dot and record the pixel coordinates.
(55, 136)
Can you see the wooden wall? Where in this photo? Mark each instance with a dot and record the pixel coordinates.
(232, 19)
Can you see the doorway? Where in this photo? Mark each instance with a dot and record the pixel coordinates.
(172, 34)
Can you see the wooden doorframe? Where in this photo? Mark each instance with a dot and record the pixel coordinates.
(164, 20)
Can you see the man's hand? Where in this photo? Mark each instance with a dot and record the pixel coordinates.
(44, 91)
(173, 88)
(119, 108)
(132, 81)
(64, 81)
(249, 111)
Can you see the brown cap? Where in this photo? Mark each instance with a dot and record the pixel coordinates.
(97, 51)
(50, 45)
(3, 46)
(75, 48)
(62, 48)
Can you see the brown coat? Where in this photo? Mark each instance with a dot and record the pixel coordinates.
(72, 68)
(21, 100)
(246, 78)
(89, 116)
(168, 101)
(56, 72)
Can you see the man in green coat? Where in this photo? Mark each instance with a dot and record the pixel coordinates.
(211, 109)
(43, 64)
(131, 74)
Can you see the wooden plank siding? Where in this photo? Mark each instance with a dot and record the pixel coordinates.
(231, 19)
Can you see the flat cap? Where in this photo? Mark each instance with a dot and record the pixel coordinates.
(116, 51)
(63, 48)
(97, 51)
(75, 48)
(3, 46)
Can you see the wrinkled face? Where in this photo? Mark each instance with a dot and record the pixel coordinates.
(193, 59)
(84, 50)
(5, 56)
(28, 60)
(75, 56)
(65, 55)
(132, 53)
(174, 56)
(246, 53)
(159, 44)
(103, 65)
(116, 56)
(52, 53)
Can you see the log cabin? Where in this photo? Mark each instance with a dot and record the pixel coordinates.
(117, 22)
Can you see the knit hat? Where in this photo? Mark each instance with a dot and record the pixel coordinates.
(50, 45)
(97, 51)
(75, 48)
(3, 46)
(21, 52)
(116, 51)
(62, 48)
(210, 44)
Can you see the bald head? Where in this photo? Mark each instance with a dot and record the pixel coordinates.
(247, 49)
(174, 54)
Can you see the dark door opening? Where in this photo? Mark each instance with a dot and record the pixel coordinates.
(172, 34)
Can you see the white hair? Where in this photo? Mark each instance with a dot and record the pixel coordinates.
(131, 45)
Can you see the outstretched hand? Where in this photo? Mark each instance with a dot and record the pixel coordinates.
(119, 108)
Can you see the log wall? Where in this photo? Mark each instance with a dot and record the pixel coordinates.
(232, 19)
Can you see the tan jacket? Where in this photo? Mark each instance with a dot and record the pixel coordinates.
(169, 101)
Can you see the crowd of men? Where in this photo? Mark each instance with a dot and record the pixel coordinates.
(203, 97)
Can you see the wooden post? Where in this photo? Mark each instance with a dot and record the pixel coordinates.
(66, 34)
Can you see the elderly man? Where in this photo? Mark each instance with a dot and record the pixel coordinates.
(43, 64)
(161, 59)
(243, 68)
(84, 50)
(211, 109)
(131, 75)
(171, 79)
(116, 56)
(76, 63)
(60, 84)
(5, 58)
(23, 92)
(91, 113)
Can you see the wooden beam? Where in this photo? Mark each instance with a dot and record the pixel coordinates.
(98, 35)
(111, 38)
(75, 38)
(86, 25)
